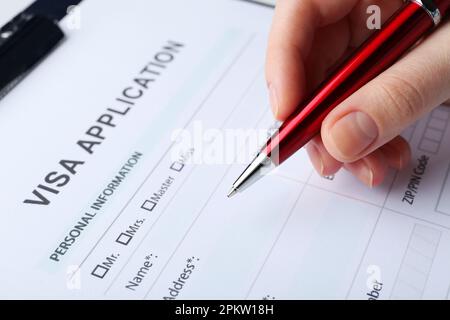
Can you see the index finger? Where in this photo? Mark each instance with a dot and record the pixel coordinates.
(290, 41)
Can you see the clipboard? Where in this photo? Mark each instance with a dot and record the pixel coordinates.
(216, 79)
(31, 35)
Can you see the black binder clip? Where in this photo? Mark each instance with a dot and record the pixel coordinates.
(24, 42)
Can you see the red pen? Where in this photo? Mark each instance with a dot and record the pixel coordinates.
(407, 26)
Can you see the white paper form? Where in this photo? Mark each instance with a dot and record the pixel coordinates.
(121, 209)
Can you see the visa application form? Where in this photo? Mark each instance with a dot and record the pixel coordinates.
(101, 196)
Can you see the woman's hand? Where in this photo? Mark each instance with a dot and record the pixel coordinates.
(308, 38)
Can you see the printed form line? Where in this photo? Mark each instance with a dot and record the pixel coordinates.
(247, 90)
(193, 223)
(213, 89)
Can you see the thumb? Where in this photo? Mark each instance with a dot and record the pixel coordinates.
(382, 109)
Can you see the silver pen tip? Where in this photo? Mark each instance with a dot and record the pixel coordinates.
(232, 192)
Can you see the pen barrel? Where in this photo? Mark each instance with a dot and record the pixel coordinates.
(379, 52)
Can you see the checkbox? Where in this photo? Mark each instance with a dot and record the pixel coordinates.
(437, 124)
(124, 239)
(177, 166)
(429, 146)
(100, 271)
(148, 205)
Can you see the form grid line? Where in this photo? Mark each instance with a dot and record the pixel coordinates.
(277, 237)
(240, 100)
(200, 212)
(203, 102)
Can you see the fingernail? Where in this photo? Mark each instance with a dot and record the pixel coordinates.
(362, 171)
(366, 174)
(353, 133)
(316, 158)
(370, 176)
(273, 99)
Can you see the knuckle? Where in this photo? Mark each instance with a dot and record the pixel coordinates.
(401, 98)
